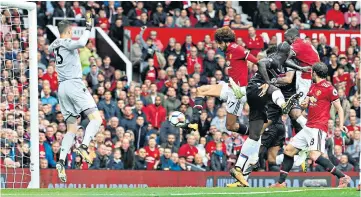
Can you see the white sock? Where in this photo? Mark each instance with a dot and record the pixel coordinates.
(243, 90)
(279, 159)
(253, 159)
(66, 144)
(302, 121)
(248, 149)
(90, 131)
(278, 98)
(297, 160)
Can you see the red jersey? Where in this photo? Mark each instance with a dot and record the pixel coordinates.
(53, 80)
(192, 62)
(211, 146)
(237, 57)
(321, 94)
(345, 80)
(306, 54)
(254, 45)
(187, 150)
(152, 157)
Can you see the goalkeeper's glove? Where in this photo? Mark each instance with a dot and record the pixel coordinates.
(89, 21)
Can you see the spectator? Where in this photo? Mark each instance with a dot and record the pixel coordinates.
(107, 69)
(43, 164)
(220, 120)
(253, 42)
(354, 149)
(129, 120)
(339, 139)
(92, 77)
(127, 155)
(211, 145)
(156, 113)
(101, 160)
(354, 24)
(86, 52)
(63, 11)
(52, 77)
(189, 150)
(170, 48)
(153, 154)
(170, 143)
(319, 8)
(203, 23)
(305, 13)
(165, 160)
(159, 16)
(209, 64)
(136, 52)
(194, 59)
(342, 79)
(140, 132)
(324, 50)
(115, 162)
(336, 15)
(344, 165)
(47, 99)
(117, 33)
(151, 98)
(175, 163)
(268, 16)
(238, 24)
(218, 159)
(142, 21)
(108, 106)
(350, 14)
(140, 162)
(135, 13)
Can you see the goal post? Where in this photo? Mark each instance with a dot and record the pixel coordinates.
(33, 86)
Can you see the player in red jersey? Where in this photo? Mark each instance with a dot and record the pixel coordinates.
(233, 92)
(313, 136)
(306, 55)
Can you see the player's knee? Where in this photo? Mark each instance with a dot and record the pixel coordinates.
(314, 155)
(290, 150)
(71, 120)
(255, 135)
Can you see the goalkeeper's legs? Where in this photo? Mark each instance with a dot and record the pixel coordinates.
(95, 121)
(66, 144)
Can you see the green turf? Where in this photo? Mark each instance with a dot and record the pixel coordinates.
(185, 191)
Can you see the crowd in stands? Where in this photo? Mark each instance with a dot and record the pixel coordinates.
(135, 133)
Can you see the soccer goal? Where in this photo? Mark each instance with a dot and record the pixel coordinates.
(19, 139)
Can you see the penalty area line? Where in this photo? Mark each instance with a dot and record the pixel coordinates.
(252, 193)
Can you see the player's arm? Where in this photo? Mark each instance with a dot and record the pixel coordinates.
(291, 64)
(72, 45)
(262, 69)
(337, 104)
(286, 79)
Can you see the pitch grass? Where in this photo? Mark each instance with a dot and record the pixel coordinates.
(185, 191)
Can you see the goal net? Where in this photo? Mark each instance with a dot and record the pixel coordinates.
(19, 138)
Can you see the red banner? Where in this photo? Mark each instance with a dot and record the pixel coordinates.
(340, 38)
(141, 179)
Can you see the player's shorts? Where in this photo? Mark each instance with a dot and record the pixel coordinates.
(309, 138)
(74, 98)
(257, 105)
(274, 135)
(234, 106)
(302, 85)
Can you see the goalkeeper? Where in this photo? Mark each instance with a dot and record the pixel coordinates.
(74, 97)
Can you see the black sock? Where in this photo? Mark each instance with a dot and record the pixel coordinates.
(197, 109)
(62, 161)
(329, 167)
(286, 166)
(273, 167)
(296, 125)
(243, 129)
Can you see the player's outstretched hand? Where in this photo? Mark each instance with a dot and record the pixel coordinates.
(89, 21)
(264, 88)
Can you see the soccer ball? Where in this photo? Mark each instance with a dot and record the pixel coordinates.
(177, 119)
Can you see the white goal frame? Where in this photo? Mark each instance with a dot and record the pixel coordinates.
(33, 79)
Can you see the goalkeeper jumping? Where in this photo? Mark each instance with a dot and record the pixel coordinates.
(74, 97)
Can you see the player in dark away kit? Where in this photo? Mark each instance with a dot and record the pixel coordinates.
(260, 91)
